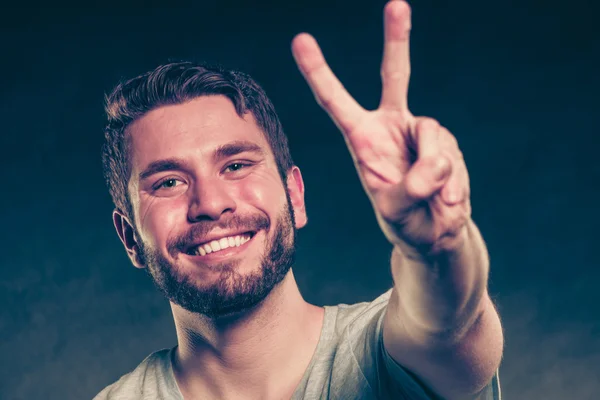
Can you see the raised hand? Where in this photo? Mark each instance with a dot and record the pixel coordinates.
(411, 167)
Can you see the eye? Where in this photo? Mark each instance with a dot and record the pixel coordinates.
(233, 167)
(167, 183)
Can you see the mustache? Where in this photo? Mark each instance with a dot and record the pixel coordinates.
(201, 229)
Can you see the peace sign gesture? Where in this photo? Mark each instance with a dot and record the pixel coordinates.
(411, 167)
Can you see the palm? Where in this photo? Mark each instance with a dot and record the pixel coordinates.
(381, 150)
(411, 168)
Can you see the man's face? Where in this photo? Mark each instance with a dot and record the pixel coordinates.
(213, 222)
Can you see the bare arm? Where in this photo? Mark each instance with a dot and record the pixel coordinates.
(440, 322)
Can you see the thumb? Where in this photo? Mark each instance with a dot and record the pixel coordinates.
(425, 178)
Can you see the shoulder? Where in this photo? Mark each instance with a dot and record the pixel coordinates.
(151, 377)
(352, 318)
(360, 330)
(346, 342)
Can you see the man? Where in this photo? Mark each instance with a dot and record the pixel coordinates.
(208, 200)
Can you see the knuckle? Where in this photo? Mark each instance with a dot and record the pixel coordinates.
(323, 101)
(388, 75)
(427, 122)
(449, 138)
(453, 141)
(326, 99)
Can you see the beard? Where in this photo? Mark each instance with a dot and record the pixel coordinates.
(232, 293)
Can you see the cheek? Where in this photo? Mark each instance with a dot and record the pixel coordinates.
(262, 190)
(160, 217)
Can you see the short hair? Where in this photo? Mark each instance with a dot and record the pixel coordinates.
(177, 83)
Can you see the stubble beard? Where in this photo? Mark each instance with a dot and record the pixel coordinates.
(232, 293)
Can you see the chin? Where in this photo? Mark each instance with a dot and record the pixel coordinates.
(231, 280)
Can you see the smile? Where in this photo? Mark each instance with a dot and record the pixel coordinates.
(218, 245)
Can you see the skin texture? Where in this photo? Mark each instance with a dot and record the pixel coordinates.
(440, 323)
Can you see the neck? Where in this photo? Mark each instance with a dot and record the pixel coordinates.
(261, 353)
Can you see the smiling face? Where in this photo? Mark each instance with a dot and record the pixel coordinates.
(213, 222)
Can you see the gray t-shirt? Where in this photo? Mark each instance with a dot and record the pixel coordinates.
(350, 363)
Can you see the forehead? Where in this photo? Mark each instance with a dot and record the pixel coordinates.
(190, 130)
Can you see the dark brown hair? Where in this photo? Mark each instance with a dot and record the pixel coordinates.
(176, 83)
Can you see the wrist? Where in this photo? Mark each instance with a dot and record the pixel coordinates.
(449, 244)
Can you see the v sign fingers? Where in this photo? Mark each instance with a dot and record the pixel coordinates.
(406, 164)
(395, 67)
(328, 90)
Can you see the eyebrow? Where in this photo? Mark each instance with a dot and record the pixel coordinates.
(220, 153)
(236, 147)
(168, 164)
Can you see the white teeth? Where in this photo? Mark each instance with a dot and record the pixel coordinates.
(223, 243)
(215, 245)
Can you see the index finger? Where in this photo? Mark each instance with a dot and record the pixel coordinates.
(328, 90)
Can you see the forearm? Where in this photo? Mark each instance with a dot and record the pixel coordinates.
(442, 294)
(441, 323)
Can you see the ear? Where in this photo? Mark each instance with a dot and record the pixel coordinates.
(127, 235)
(295, 186)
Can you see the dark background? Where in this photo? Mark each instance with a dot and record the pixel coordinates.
(516, 82)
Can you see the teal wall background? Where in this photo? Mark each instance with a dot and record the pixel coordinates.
(515, 81)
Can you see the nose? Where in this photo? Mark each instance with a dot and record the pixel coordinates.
(209, 201)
